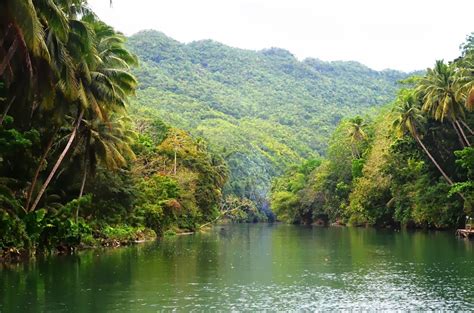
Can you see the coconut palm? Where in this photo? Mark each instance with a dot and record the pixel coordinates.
(465, 81)
(177, 141)
(110, 86)
(357, 134)
(23, 52)
(32, 36)
(103, 80)
(439, 88)
(106, 143)
(21, 34)
(44, 28)
(71, 93)
(221, 170)
(408, 121)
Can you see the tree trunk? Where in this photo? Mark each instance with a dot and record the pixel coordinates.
(5, 112)
(38, 170)
(58, 162)
(446, 177)
(221, 214)
(84, 177)
(5, 35)
(175, 159)
(355, 151)
(9, 56)
(467, 127)
(462, 133)
(83, 184)
(461, 141)
(81, 192)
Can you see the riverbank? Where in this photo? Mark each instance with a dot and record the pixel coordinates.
(124, 235)
(107, 237)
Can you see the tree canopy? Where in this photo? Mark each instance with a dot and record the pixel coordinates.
(265, 110)
(410, 164)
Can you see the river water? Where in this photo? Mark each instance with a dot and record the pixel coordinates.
(251, 268)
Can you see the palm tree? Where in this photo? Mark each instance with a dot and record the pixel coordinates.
(177, 141)
(112, 83)
(24, 56)
(465, 80)
(439, 89)
(58, 161)
(102, 78)
(70, 44)
(221, 170)
(33, 34)
(409, 121)
(22, 32)
(357, 134)
(31, 66)
(106, 143)
(80, 57)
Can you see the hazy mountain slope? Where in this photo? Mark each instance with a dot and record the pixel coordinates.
(265, 109)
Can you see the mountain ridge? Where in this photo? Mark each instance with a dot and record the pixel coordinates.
(283, 50)
(265, 104)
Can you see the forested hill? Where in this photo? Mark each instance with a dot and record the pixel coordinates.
(263, 109)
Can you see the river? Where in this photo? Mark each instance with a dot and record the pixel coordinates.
(253, 267)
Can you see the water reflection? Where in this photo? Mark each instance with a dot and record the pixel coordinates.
(249, 267)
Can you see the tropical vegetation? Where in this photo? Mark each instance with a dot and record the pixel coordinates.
(108, 140)
(409, 165)
(76, 167)
(262, 110)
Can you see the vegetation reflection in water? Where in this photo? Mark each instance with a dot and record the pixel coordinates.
(248, 267)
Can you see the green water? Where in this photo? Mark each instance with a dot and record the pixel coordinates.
(253, 267)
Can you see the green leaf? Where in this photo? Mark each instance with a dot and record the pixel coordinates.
(40, 214)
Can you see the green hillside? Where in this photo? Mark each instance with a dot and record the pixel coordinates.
(262, 109)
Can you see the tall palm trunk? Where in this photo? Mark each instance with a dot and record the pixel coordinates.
(446, 177)
(81, 192)
(355, 151)
(175, 159)
(462, 133)
(38, 169)
(9, 56)
(58, 162)
(460, 139)
(467, 127)
(7, 108)
(84, 178)
(83, 184)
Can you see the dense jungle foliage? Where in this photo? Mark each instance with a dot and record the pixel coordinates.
(84, 162)
(75, 167)
(411, 164)
(262, 110)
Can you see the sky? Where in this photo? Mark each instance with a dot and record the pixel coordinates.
(398, 34)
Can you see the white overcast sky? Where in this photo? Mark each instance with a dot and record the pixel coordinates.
(399, 34)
